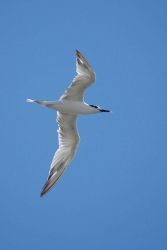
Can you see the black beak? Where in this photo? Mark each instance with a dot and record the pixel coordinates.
(104, 110)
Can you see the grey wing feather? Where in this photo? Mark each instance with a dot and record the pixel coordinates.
(84, 78)
(68, 141)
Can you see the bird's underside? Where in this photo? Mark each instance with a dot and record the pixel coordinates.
(68, 139)
(68, 107)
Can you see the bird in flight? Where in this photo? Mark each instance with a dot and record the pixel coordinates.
(70, 104)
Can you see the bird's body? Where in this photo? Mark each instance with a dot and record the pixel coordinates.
(68, 107)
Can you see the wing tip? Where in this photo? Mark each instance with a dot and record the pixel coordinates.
(43, 193)
(47, 186)
(78, 53)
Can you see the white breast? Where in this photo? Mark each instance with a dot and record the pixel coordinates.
(74, 107)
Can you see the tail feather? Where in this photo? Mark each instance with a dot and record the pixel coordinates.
(48, 104)
(30, 100)
(37, 101)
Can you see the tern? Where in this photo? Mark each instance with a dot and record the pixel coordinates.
(70, 104)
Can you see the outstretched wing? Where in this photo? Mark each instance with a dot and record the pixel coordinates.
(68, 141)
(84, 78)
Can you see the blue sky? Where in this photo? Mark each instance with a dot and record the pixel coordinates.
(113, 195)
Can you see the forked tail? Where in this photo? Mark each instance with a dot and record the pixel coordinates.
(48, 104)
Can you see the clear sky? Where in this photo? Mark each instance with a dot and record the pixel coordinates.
(114, 194)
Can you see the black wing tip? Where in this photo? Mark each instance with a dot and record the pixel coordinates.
(45, 189)
(43, 192)
(78, 53)
(48, 185)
